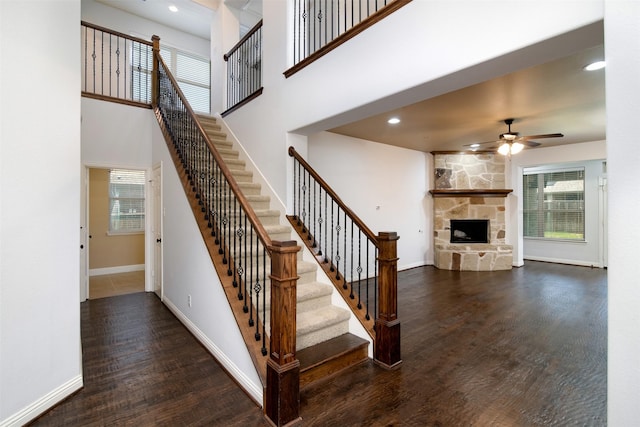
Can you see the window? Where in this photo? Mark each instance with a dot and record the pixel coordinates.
(126, 201)
(554, 204)
(193, 74)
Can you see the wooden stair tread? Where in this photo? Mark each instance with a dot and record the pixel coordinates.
(317, 354)
(328, 358)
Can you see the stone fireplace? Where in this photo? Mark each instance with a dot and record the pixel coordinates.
(469, 212)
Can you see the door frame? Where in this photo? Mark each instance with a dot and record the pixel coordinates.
(84, 218)
(156, 232)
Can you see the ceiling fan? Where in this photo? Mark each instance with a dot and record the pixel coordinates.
(511, 143)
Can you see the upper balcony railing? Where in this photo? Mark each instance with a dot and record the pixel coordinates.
(116, 66)
(322, 25)
(244, 69)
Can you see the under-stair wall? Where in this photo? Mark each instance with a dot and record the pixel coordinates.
(188, 271)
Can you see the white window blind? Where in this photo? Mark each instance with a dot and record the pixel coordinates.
(553, 204)
(193, 74)
(126, 201)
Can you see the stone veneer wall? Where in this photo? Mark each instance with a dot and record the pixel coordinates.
(470, 172)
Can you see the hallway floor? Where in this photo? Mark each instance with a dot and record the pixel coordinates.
(109, 285)
(526, 347)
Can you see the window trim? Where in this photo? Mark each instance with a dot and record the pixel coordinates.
(549, 169)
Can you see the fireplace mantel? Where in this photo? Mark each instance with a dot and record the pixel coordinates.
(485, 192)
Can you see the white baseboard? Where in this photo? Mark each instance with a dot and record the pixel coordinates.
(252, 390)
(412, 265)
(115, 270)
(41, 405)
(564, 261)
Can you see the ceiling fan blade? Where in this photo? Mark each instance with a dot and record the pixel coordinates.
(547, 135)
(530, 144)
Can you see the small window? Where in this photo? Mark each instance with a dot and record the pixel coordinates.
(126, 201)
(553, 205)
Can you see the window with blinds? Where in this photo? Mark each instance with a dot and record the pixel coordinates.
(126, 201)
(193, 74)
(553, 204)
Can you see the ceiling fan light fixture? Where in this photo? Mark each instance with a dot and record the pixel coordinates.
(516, 147)
(504, 149)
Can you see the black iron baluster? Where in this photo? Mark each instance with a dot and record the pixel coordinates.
(338, 228)
(320, 221)
(331, 268)
(264, 301)
(232, 262)
(303, 214)
(102, 62)
(344, 254)
(93, 57)
(118, 67)
(367, 316)
(359, 268)
(326, 232)
(296, 173)
(309, 220)
(351, 295)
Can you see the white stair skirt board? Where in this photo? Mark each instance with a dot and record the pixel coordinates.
(116, 270)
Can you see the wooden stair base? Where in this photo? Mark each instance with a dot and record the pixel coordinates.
(331, 357)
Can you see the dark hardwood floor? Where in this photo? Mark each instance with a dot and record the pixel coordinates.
(526, 347)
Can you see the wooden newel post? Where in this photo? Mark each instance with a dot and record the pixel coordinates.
(155, 81)
(282, 397)
(387, 326)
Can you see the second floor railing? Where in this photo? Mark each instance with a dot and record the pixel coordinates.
(116, 66)
(361, 264)
(322, 25)
(244, 69)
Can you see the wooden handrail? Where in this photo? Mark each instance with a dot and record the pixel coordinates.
(116, 33)
(242, 40)
(355, 218)
(253, 218)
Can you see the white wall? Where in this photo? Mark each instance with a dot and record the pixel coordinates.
(119, 20)
(349, 83)
(188, 270)
(586, 253)
(39, 199)
(116, 135)
(387, 187)
(622, 52)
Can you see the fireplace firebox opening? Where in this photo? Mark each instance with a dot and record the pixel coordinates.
(469, 231)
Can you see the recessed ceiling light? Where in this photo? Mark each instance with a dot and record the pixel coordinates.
(172, 8)
(595, 66)
(475, 145)
(393, 121)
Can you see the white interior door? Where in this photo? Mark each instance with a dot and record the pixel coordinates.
(156, 229)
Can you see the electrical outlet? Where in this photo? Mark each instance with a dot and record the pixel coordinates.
(189, 300)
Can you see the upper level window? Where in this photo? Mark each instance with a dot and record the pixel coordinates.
(553, 204)
(192, 72)
(126, 201)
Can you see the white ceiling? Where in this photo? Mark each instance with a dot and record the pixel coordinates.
(192, 17)
(556, 97)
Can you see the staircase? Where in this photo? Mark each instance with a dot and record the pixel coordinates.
(323, 344)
